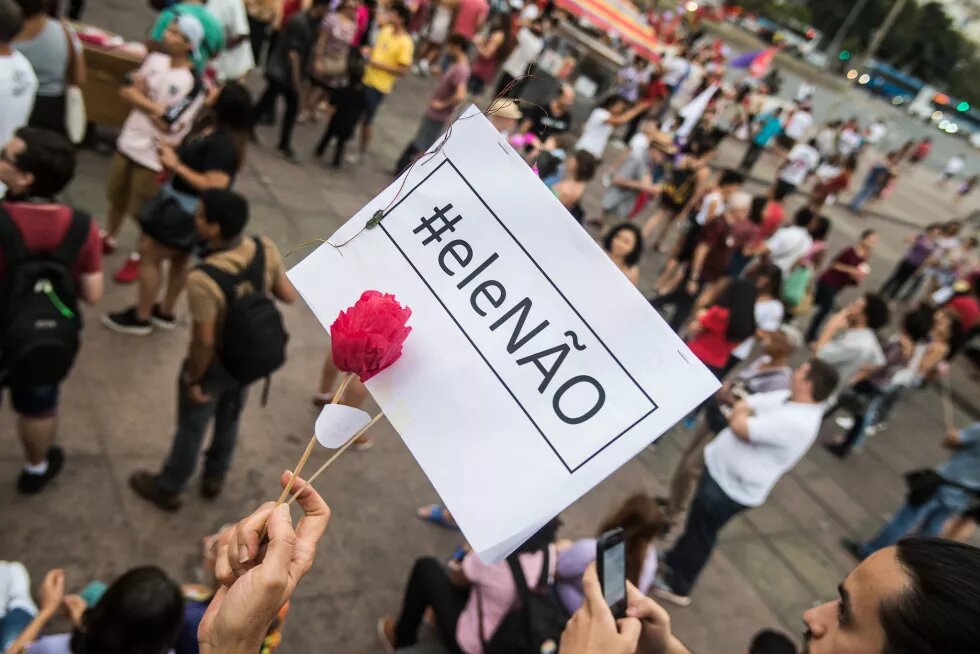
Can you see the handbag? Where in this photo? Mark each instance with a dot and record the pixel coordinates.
(332, 64)
(168, 218)
(76, 118)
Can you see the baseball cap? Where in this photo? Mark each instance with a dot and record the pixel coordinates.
(193, 31)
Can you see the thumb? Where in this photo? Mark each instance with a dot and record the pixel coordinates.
(629, 631)
(282, 541)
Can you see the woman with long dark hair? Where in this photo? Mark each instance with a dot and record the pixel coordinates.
(769, 311)
(491, 50)
(720, 328)
(209, 159)
(140, 613)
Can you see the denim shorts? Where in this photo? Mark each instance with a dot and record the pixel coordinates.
(35, 401)
(372, 101)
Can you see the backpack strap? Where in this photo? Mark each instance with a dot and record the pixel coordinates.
(255, 270)
(225, 280)
(11, 242)
(74, 239)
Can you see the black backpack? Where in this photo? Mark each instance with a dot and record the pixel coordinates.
(535, 625)
(39, 317)
(254, 344)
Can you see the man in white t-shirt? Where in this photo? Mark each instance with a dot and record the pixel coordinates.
(528, 45)
(797, 127)
(850, 140)
(790, 243)
(236, 60)
(767, 434)
(18, 83)
(802, 160)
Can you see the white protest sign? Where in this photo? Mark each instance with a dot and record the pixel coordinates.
(534, 368)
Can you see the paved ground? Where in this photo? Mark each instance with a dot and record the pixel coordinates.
(118, 414)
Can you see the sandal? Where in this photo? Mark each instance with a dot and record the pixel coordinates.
(383, 635)
(436, 514)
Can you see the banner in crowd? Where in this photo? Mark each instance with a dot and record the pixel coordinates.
(535, 369)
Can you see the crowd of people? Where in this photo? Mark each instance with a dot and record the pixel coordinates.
(739, 270)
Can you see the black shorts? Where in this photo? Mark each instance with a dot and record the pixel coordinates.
(690, 242)
(785, 187)
(785, 142)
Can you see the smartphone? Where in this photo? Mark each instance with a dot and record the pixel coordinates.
(611, 566)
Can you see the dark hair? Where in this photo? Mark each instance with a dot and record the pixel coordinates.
(502, 23)
(824, 378)
(49, 157)
(780, 191)
(32, 8)
(768, 641)
(730, 177)
(633, 257)
(866, 233)
(320, 3)
(611, 100)
(402, 10)
(918, 322)
(232, 113)
(11, 20)
(876, 311)
(459, 41)
(226, 209)
(820, 228)
(938, 610)
(541, 539)
(803, 217)
(773, 275)
(739, 298)
(140, 613)
(642, 520)
(757, 209)
(587, 164)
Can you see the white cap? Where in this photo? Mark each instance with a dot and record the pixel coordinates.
(192, 29)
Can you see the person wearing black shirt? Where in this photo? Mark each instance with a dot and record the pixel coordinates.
(285, 70)
(553, 119)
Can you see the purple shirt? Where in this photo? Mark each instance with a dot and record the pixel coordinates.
(921, 249)
(573, 562)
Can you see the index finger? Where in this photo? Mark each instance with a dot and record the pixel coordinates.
(244, 544)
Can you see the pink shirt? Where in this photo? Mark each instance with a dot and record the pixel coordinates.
(494, 584)
(164, 85)
(470, 16)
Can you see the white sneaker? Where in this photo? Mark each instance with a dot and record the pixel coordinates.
(354, 159)
(663, 591)
(844, 422)
(15, 588)
(424, 67)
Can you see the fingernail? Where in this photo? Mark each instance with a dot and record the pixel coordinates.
(242, 554)
(284, 514)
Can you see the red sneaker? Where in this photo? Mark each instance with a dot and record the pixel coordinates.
(109, 244)
(130, 271)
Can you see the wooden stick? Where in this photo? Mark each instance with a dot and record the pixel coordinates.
(309, 447)
(337, 454)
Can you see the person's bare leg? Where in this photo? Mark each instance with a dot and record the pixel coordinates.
(665, 226)
(176, 280)
(114, 220)
(37, 437)
(365, 137)
(688, 471)
(151, 259)
(328, 376)
(651, 224)
(960, 528)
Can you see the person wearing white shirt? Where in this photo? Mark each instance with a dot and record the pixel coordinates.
(797, 127)
(789, 244)
(603, 120)
(802, 160)
(953, 168)
(528, 45)
(18, 83)
(236, 60)
(876, 131)
(767, 434)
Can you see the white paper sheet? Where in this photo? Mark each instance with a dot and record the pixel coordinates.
(507, 436)
(337, 423)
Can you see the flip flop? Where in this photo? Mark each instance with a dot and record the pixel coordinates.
(436, 514)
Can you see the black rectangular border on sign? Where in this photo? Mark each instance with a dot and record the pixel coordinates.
(653, 404)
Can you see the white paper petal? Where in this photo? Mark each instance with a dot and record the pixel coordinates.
(337, 423)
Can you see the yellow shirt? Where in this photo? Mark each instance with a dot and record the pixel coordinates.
(392, 50)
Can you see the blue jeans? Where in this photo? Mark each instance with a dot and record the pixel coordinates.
(12, 625)
(225, 407)
(924, 520)
(865, 194)
(709, 512)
